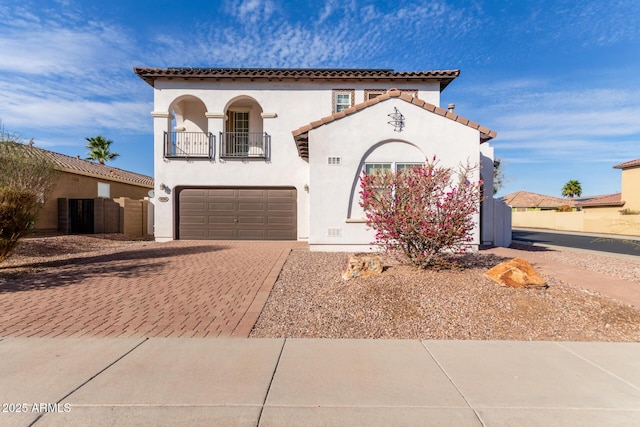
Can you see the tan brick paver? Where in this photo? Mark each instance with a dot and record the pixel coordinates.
(173, 289)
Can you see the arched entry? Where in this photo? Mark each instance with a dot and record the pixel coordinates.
(189, 135)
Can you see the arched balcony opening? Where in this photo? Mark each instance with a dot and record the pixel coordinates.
(188, 136)
(244, 136)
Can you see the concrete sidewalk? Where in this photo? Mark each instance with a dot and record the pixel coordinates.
(226, 381)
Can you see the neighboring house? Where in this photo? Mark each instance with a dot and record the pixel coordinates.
(71, 203)
(608, 203)
(522, 201)
(617, 213)
(277, 153)
(630, 184)
(628, 199)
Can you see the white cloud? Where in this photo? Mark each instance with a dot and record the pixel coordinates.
(252, 11)
(561, 122)
(336, 34)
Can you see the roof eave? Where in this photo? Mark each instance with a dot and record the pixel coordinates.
(150, 75)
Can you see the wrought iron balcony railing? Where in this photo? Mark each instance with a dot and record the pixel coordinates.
(189, 145)
(244, 145)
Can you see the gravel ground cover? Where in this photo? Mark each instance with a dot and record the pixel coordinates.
(310, 299)
(625, 268)
(43, 250)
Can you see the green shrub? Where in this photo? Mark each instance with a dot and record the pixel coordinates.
(27, 175)
(627, 211)
(18, 211)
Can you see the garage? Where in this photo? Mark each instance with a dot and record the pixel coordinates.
(256, 213)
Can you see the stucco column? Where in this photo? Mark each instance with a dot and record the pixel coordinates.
(163, 200)
(215, 123)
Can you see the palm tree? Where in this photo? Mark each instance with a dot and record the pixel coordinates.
(572, 188)
(99, 149)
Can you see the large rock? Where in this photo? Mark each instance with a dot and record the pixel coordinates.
(516, 273)
(362, 265)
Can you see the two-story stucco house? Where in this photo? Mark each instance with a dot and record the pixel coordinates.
(277, 153)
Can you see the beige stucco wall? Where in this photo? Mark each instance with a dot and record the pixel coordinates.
(134, 217)
(631, 188)
(73, 186)
(583, 221)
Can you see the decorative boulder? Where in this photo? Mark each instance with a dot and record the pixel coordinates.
(516, 273)
(362, 265)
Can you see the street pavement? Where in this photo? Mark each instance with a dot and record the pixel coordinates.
(625, 245)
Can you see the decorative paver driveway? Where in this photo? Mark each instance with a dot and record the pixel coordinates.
(173, 289)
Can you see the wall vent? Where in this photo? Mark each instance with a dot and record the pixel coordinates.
(334, 232)
(335, 161)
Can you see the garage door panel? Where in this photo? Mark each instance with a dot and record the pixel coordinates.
(221, 193)
(221, 206)
(251, 220)
(284, 207)
(221, 219)
(252, 193)
(192, 219)
(283, 220)
(238, 213)
(251, 206)
(281, 235)
(198, 234)
(193, 206)
(194, 192)
(284, 193)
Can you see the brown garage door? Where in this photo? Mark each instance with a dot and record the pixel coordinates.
(237, 214)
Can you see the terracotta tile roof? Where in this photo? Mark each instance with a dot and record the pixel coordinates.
(149, 75)
(629, 164)
(606, 200)
(86, 168)
(525, 199)
(301, 135)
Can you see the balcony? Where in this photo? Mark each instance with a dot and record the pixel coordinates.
(188, 145)
(244, 145)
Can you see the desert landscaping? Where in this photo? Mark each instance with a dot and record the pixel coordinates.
(310, 298)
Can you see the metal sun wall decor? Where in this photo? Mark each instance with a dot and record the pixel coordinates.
(397, 120)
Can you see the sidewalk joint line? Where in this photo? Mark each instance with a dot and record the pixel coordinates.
(598, 366)
(91, 378)
(273, 375)
(475, 412)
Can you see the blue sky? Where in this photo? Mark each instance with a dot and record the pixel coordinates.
(558, 80)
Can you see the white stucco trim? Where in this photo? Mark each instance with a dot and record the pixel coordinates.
(161, 114)
(214, 115)
(355, 220)
(268, 115)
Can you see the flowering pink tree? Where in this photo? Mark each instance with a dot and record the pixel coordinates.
(419, 214)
